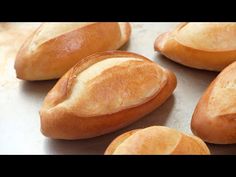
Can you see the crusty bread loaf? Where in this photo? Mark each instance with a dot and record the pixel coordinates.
(209, 46)
(55, 47)
(156, 140)
(214, 118)
(102, 93)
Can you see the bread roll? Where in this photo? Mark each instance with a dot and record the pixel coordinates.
(156, 140)
(55, 47)
(103, 93)
(208, 46)
(214, 118)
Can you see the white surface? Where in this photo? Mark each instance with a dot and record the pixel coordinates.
(20, 102)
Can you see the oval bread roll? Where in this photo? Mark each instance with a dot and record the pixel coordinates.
(156, 140)
(214, 118)
(208, 46)
(55, 47)
(103, 93)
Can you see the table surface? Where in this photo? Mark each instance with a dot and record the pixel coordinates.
(20, 101)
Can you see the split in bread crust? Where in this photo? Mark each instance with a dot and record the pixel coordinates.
(55, 47)
(214, 118)
(102, 93)
(208, 46)
(156, 140)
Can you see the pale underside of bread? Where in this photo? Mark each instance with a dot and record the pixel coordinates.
(156, 140)
(202, 46)
(42, 57)
(57, 120)
(214, 118)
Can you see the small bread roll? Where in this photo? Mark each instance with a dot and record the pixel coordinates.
(156, 140)
(55, 47)
(103, 93)
(208, 46)
(214, 118)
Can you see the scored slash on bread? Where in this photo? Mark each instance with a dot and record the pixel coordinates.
(208, 46)
(214, 118)
(55, 47)
(156, 140)
(103, 93)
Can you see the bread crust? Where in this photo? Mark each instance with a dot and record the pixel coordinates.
(115, 143)
(53, 57)
(61, 123)
(156, 140)
(216, 126)
(194, 57)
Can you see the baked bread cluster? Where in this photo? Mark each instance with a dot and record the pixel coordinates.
(101, 89)
(208, 46)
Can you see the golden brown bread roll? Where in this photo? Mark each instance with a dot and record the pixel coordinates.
(214, 118)
(156, 140)
(55, 47)
(102, 93)
(209, 46)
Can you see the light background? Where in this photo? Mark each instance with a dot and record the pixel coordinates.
(20, 101)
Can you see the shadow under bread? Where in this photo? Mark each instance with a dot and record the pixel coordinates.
(98, 145)
(37, 89)
(177, 68)
(224, 149)
(126, 46)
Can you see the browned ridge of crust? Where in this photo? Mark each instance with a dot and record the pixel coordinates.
(67, 112)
